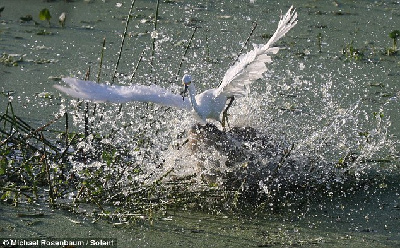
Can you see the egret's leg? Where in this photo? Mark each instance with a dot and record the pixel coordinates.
(225, 113)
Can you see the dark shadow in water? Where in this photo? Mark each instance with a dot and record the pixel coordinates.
(260, 166)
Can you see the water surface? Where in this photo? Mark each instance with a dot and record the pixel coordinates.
(332, 91)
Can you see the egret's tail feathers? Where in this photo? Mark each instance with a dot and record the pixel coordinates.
(287, 22)
(252, 65)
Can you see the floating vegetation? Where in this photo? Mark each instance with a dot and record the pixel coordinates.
(32, 159)
(43, 32)
(380, 85)
(46, 95)
(27, 160)
(11, 59)
(172, 1)
(319, 39)
(340, 13)
(43, 61)
(224, 17)
(15, 59)
(352, 52)
(394, 35)
(26, 18)
(44, 15)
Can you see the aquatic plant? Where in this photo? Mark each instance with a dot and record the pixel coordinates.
(281, 153)
(62, 18)
(319, 39)
(44, 15)
(11, 59)
(43, 32)
(26, 18)
(26, 152)
(128, 18)
(154, 37)
(395, 34)
(352, 52)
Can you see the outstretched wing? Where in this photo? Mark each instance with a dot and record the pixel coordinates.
(251, 65)
(89, 90)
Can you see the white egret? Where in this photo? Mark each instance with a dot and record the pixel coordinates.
(209, 104)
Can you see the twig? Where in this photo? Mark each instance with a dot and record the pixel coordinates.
(319, 37)
(184, 54)
(244, 45)
(123, 41)
(47, 169)
(83, 187)
(20, 125)
(87, 108)
(17, 141)
(98, 79)
(101, 59)
(47, 124)
(285, 155)
(153, 43)
(79, 193)
(64, 153)
(137, 65)
(11, 109)
(207, 49)
(66, 129)
(246, 42)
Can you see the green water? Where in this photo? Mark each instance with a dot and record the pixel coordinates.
(368, 218)
(223, 27)
(309, 82)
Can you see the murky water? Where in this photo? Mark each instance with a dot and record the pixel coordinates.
(332, 93)
(359, 220)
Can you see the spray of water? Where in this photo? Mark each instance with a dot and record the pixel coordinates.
(305, 127)
(292, 135)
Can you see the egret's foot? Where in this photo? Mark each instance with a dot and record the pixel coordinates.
(224, 121)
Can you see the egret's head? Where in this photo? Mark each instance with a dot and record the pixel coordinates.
(186, 80)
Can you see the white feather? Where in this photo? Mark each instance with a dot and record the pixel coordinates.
(208, 104)
(252, 65)
(89, 90)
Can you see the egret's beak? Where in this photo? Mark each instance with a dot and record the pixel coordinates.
(183, 93)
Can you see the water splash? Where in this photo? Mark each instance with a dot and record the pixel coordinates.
(306, 125)
(300, 138)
